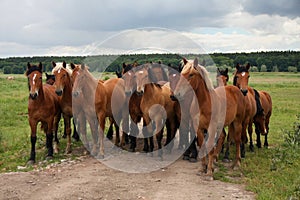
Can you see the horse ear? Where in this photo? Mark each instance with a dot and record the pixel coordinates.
(83, 66)
(159, 62)
(237, 66)
(72, 66)
(248, 66)
(64, 64)
(196, 62)
(53, 64)
(28, 65)
(226, 70)
(40, 66)
(184, 61)
(123, 65)
(218, 70)
(203, 63)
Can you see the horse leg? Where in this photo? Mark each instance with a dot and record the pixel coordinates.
(237, 127)
(220, 144)
(227, 145)
(125, 128)
(211, 148)
(67, 121)
(193, 151)
(266, 144)
(202, 152)
(250, 130)
(55, 128)
(110, 131)
(33, 125)
(159, 137)
(75, 133)
(258, 141)
(117, 140)
(101, 135)
(49, 139)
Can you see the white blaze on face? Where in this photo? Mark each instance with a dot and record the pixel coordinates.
(33, 80)
(58, 71)
(129, 73)
(243, 73)
(141, 72)
(174, 75)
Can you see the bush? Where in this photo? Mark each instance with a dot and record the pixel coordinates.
(292, 138)
(292, 69)
(275, 69)
(263, 68)
(7, 70)
(253, 69)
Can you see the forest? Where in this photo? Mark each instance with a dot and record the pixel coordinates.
(271, 61)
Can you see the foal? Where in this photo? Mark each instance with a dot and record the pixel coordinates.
(43, 106)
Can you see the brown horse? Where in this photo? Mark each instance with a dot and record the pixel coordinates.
(218, 108)
(222, 77)
(182, 109)
(43, 106)
(252, 105)
(63, 88)
(262, 119)
(156, 106)
(50, 79)
(84, 88)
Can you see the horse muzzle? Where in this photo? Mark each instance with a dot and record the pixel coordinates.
(33, 95)
(75, 93)
(140, 93)
(59, 92)
(244, 91)
(173, 98)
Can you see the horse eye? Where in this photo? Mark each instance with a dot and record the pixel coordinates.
(41, 78)
(191, 75)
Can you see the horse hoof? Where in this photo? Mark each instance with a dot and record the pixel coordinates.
(185, 157)
(208, 177)
(49, 157)
(192, 160)
(226, 160)
(150, 154)
(30, 162)
(101, 157)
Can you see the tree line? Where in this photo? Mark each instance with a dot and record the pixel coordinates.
(281, 61)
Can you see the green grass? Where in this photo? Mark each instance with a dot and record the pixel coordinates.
(271, 173)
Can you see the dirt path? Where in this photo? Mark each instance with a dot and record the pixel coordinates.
(87, 178)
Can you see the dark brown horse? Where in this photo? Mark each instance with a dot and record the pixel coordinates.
(218, 108)
(50, 79)
(222, 77)
(182, 109)
(262, 118)
(43, 106)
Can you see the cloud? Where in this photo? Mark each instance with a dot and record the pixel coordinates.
(35, 27)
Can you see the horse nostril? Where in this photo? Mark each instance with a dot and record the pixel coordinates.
(75, 94)
(128, 93)
(173, 98)
(33, 96)
(58, 92)
(244, 92)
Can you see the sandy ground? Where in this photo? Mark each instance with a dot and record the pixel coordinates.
(87, 178)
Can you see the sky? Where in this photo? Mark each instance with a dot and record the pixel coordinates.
(86, 27)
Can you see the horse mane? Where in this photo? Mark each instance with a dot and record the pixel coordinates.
(60, 66)
(32, 69)
(223, 73)
(201, 69)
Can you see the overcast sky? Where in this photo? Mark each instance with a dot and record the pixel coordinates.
(73, 27)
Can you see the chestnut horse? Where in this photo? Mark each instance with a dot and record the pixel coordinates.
(156, 106)
(240, 80)
(218, 108)
(63, 88)
(43, 106)
(84, 88)
(261, 105)
(50, 79)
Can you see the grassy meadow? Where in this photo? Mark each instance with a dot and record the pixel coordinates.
(272, 173)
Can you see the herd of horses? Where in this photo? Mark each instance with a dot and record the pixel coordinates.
(182, 99)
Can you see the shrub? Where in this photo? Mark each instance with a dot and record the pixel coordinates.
(7, 70)
(253, 69)
(263, 68)
(292, 69)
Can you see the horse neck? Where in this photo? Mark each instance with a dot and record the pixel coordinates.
(67, 94)
(149, 90)
(202, 94)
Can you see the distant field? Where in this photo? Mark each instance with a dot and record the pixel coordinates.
(283, 87)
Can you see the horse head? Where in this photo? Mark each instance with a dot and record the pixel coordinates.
(241, 77)
(35, 83)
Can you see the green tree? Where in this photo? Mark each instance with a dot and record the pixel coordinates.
(7, 70)
(263, 68)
